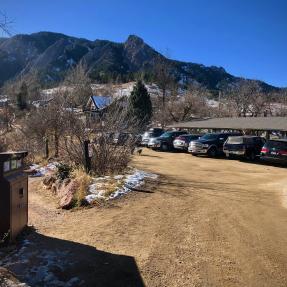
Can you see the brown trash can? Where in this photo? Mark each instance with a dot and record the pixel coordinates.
(13, 194)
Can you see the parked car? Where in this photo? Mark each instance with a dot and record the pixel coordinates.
(151, 133)
(165, 141)
(275, 151)
(182, 141)
(210, 144)
(121, 138)
(243, 146)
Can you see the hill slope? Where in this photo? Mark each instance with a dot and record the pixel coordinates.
(53, 54)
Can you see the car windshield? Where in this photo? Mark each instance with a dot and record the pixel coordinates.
(277, 144)
(209, 137)
(148, 134)
(235, 140)
(166, 135)
(190, 137)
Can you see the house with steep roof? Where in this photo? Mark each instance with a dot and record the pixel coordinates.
(97, 105)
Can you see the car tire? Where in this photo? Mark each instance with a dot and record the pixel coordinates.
(252, 156)
(212, 152)
(194, 154)
(164, 147)
(230, 156)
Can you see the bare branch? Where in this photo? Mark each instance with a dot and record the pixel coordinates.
(5, 23)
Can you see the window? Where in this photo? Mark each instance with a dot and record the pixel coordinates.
(21, 192)
(13, 164)
(6, 166)
(19, 163)
(235, 140)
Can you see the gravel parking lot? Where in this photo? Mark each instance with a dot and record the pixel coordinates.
(209, 222)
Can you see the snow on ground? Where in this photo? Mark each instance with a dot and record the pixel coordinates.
(107, 188)
(212, 103)
(50, 263)
(43, 170)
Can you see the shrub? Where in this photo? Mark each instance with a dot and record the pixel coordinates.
(63, 171)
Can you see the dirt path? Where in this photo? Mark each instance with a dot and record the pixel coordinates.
(210, 222)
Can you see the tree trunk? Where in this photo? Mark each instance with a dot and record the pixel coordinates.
(56, 138)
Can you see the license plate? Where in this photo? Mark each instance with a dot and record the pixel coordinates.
(273, 153)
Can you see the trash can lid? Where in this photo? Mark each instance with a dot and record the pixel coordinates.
(12, 154)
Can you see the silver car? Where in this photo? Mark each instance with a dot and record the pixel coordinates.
(182, 141)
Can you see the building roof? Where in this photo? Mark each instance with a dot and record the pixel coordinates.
(239, 123)
(101, 102)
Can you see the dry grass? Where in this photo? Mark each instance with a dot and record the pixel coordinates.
(38, 159)
(112, 186)
(84, 181)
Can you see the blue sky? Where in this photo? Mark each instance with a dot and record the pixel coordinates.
(246, 37)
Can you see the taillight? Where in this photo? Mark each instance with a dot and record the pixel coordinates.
(264, 150)
(283, 152)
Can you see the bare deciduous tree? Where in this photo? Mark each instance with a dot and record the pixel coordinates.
(162, 76)
(79, 80)
(186, 106)
(109, 156)
(242, 98)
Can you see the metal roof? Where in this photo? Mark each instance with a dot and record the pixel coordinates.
(101, 102)
(240, 123)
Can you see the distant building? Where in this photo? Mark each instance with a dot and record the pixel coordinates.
(41, 103)
(4, 101)
(96, 105)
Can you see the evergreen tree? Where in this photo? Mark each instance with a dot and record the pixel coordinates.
(139, 105)
(21, 97)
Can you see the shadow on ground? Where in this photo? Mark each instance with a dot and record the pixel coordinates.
(46, 261)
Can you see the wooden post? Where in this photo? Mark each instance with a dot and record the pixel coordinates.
(46, 147)
(87, 156)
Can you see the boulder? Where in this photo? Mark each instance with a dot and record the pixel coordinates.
(68, 193)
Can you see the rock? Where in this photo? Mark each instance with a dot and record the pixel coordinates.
(68, 192)
(54, 189)
(66, 181)
(58, 185)
(49, 180)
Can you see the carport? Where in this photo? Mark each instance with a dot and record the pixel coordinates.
(248, 125)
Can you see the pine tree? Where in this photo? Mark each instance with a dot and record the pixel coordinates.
(139, 105)
(22, 97)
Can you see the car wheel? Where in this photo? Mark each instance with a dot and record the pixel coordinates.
(252, 156)
(194, 154)
(212, 152)
(164, 147)
(230, 156)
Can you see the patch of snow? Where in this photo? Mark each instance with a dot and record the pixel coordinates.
(130, 182)
(41, 171)
(212, 103)
(43, 272)
(118, 176)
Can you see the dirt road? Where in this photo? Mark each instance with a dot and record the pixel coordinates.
(210, 222)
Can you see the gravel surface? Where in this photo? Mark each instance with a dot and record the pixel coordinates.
(209, 222)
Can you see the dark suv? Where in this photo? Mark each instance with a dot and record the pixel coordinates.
(165, 141)
(210, 144)
(275, 151)
(151, 133)
(243, 146)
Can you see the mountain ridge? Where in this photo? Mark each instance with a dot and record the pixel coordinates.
(53, 54)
